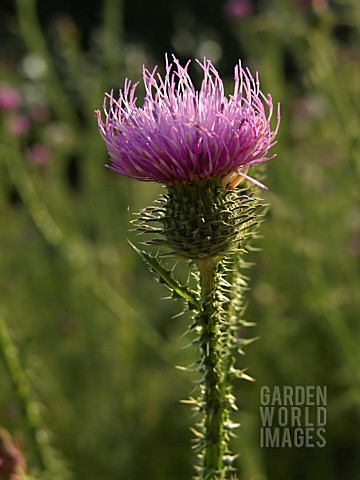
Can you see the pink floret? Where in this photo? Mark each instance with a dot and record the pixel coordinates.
(184, 134)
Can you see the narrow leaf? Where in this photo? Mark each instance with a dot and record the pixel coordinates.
(167, 278)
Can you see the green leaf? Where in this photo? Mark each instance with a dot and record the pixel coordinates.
(167, 278)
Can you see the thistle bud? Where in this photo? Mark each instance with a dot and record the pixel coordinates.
(201, 219)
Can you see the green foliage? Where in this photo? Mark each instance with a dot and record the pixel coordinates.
(94, 339)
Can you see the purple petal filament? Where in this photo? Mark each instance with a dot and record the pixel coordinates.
(184, 134)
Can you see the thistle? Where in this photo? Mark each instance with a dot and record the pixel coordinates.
(199, 144)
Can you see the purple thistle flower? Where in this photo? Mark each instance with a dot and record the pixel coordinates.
(181, 134)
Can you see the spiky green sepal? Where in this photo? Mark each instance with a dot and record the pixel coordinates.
(200, 220)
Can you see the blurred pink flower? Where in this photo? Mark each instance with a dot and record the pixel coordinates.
(238, 8)
(39, 154)
(10, 99)
(18, 125)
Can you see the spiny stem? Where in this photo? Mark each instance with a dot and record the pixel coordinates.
(213, 384)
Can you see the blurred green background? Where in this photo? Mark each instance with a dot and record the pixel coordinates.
(97, 342)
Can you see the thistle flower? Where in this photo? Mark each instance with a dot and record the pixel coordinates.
(181, 134)
(199, 143)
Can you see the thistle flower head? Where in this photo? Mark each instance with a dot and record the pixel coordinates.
(181, 134)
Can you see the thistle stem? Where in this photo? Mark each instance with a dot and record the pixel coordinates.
(213, 385)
